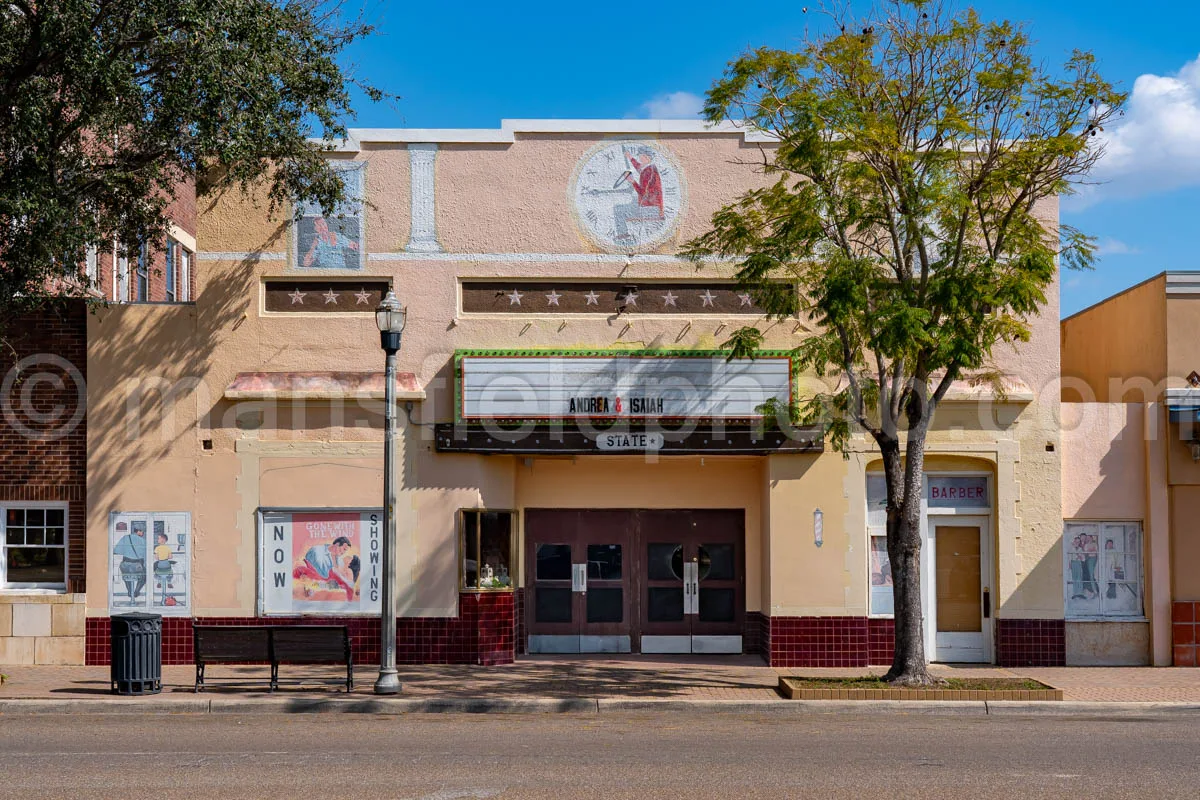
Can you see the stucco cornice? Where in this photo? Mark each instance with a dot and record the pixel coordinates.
(510, 128)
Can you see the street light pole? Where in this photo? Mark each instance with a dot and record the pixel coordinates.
(390, 318)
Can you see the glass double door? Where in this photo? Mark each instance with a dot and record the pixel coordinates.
(619, 581)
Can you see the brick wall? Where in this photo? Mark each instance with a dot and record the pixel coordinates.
(43, 434)
(483, 633)
(181, 211)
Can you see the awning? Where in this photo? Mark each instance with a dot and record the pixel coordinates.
(319, 385)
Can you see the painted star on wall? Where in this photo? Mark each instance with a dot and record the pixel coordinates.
(707, 297)
(745, 298)
(631, 299)
(297, 297)
(669, 298)
(330, 297)
(362, 298)
(514, 299)
(593, 299)
(552, 298)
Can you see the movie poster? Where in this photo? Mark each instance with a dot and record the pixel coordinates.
(320, 562)
(150, 562)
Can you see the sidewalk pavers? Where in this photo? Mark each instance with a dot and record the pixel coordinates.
(554, 683)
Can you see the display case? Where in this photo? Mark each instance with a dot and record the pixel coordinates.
(486, 543)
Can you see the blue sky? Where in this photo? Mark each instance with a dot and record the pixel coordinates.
(472, 63)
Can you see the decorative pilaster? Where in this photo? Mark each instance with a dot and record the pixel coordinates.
(422, 236)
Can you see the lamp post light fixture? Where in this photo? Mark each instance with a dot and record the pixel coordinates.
(390, 317)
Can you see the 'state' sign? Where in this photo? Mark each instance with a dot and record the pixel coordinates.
(705, 386)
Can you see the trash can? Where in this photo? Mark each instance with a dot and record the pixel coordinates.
(136, 654)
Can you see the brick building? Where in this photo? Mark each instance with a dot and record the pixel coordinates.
(43, 438)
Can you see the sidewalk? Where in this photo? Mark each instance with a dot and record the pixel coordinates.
(547, 683)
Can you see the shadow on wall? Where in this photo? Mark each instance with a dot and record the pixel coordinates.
(150, 367)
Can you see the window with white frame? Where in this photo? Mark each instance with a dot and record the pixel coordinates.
(880, 567)
(336, 241)
(143, 274)
(34, 555)
(91, 266)
(171, 270)
(185, 273)
(1103, 570)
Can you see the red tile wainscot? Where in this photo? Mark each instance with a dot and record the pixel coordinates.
(483, 633)
(1031, 643)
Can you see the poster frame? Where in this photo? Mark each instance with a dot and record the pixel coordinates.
(261, 572)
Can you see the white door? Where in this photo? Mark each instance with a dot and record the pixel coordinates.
(960, 612)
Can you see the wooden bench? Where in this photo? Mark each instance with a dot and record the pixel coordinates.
(311, 644)
(229, 644)
(271, 644)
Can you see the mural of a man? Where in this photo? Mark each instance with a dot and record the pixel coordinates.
(646, 181)
(323, 562)
(132, 549)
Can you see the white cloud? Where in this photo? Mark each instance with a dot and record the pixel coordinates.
(1114, 247)
(1155, 147)
(675, 105)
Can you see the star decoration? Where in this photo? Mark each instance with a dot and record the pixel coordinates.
(707, 297)
(297, 297)
(330, 297)
(745, 298)
(669, 299)
(514, 299)
(631, 299)
(593, 299)
(362, 298)
(552, 298)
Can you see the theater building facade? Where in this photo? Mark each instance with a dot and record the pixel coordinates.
(580, 469)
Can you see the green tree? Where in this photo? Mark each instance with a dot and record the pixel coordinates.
(106, 105)
(914, 146)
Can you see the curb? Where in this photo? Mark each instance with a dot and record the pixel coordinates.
(578, 705)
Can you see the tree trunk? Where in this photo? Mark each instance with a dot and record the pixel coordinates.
(905, 482)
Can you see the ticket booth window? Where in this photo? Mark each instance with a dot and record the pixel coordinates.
(486, 544)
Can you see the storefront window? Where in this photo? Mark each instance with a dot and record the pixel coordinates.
(1103, 575)
(486, 544)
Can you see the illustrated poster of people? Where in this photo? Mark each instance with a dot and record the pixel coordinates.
(127, 573)
(882, 597)
(150, 568)
(320, 562)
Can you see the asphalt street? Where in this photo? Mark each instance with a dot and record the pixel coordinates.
(640, 755)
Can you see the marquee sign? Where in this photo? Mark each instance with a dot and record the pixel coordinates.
(646, 385)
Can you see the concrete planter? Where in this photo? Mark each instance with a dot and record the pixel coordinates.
(790, 688)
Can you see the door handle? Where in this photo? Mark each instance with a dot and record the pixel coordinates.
(579, 578)
(987, 603)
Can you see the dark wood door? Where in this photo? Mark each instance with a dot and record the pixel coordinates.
(663, 539)
(582, 574)
(552, 550)
(605, 579)
(717, 548)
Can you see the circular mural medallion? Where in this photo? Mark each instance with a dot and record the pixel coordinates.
(627, 195)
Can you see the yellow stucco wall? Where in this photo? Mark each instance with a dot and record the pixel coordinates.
(322, 454)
